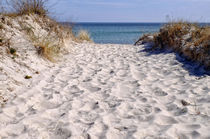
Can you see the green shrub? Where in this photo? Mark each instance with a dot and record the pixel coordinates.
(12, 51)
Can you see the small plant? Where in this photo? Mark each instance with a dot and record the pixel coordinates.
(12, 51)
(47, 48)
(28, 77)
(84, 35)
(47, 51)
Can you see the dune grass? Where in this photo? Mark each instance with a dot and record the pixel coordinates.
(23, 7)
(50, 43)
(171, 34)
(84, 35)
(47, 49)
(189, 39)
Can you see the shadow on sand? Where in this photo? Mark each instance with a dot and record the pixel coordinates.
(194, 68)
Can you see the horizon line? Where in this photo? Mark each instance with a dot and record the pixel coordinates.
(128, 22)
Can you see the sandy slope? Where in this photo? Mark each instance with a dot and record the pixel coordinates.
(113, 92)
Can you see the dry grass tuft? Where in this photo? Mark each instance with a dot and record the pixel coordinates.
(188, 39)
(47, 47)
(26, 7)
(48, 50)
(171, 34)
(84, 35)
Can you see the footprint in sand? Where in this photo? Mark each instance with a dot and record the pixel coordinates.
(165, 120)
(61, 133)
(143, 99)
(180, 111)
(159, 92)
(90, 87)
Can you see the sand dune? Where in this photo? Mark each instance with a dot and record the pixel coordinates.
(114, 92)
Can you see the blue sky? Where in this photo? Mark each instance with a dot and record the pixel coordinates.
(131, 10)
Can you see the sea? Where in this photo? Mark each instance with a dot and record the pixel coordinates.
(117, 33)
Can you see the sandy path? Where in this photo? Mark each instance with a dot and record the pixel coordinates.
(113, 92)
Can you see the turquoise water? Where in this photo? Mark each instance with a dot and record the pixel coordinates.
(117, 33)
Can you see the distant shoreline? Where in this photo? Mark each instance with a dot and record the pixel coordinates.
(117, 33)
(205, 23)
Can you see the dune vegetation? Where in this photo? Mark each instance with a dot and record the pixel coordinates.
(30, 42)
(31, 18)
(189, 39)
(84, 35)
(23, 7)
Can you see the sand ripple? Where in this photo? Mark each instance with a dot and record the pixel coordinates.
(113, 92)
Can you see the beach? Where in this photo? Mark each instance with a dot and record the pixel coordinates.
(111, 91)
(104, 69)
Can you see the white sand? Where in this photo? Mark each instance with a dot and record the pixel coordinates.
(113, 92)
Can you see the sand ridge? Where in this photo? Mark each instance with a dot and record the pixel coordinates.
(114, 92)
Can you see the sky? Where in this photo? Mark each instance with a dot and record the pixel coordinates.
(130, 10)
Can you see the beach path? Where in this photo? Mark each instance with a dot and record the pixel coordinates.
(112, 92)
